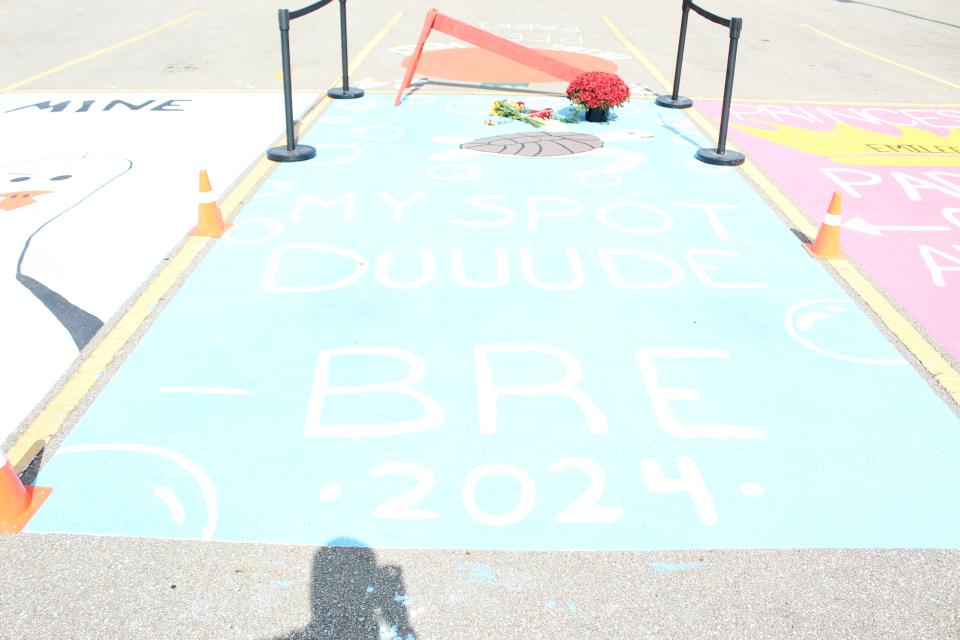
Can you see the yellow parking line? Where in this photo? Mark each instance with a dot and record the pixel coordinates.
(56, 412)
(366, 51)
(896, 322)
(666, 85)
(899, 65)
(99, 52)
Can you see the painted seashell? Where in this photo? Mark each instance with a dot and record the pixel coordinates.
(536, 144)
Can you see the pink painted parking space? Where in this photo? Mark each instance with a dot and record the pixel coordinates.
(898, 170)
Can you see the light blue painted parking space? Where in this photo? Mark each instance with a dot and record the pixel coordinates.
(415, 346)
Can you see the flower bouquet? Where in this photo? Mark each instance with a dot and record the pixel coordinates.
(519, 111)
(598, 92)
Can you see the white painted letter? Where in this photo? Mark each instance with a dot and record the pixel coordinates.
(400, 207)
(606, 259)
(535, 214)
(951, 215)
(428, 270)
(269, 281)
(503, 271)
(481, 203)
(937, 270)
(870, 179)
(488, 393)
(661, 396)
(432, 413)
(349, 201)
(949, 178)
(526, 266)
(912, 185)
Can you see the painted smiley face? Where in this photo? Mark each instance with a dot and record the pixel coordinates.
(128, 489)
(836, 328)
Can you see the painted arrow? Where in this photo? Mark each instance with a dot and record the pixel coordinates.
(865, 226)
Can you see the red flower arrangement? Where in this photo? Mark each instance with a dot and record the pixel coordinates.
(598, 90)
(519, 111)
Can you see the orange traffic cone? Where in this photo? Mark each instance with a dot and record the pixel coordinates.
(827, 244)
(17, 502)
(209, 219)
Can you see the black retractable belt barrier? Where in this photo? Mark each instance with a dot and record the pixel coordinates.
(675, 100)
(345, 92)
(720, 155)
(293, 152)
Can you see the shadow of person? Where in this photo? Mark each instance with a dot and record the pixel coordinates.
(353, 597)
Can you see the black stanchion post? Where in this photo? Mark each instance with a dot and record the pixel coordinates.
(344, 92)
(721, 156)
(292, 152)
(675, 100)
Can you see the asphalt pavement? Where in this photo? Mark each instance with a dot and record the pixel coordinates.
(86, 586)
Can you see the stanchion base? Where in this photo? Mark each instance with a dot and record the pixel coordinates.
(350, 94)
(726, 159)
(297, 154)
(670, 103)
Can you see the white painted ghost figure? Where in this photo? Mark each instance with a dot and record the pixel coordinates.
(52, 258)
